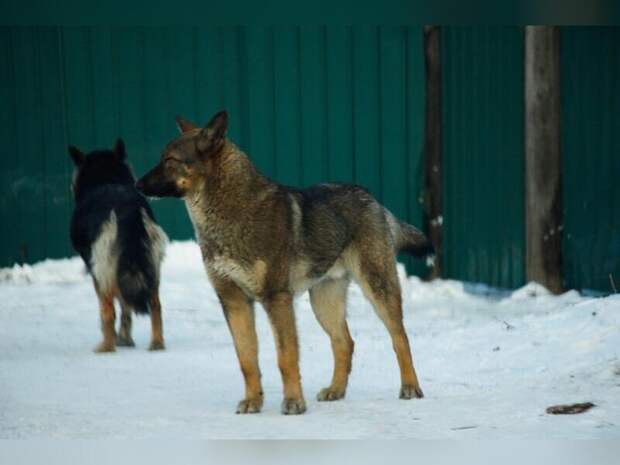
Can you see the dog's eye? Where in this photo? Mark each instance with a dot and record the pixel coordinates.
(172, 161)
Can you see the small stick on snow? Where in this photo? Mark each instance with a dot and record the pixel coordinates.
(613, 283)
(509, 327)
(570, 409)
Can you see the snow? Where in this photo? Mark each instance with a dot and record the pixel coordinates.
(489, 361)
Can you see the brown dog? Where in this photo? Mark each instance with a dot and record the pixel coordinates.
(267, 242)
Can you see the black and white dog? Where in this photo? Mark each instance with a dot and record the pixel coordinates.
(114, 230)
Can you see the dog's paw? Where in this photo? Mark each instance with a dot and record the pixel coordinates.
(250, 405)
(124, 341)
(157, 345)
(409, 391)
(329, 393)
(293, 406)
(104, 347)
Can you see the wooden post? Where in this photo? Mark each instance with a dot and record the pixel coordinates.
(543, 186)
(432, 144)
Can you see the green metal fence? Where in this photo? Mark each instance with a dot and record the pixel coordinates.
(591, 156)
(483, 177)
(308, 105)
(312, 104)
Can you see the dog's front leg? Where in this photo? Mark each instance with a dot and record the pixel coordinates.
(282, 318)
(239, 313)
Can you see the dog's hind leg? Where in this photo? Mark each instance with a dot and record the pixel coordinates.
(157, 332)
(279, 308)
(374, 269)
(239, 313)
(124, 338)
(106, 309)
(328, 299)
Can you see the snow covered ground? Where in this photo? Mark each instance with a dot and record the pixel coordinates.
(490, 362)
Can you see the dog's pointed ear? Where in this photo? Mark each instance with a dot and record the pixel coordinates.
(218, 124)
(184, 125)
(119, 149)
(213, 135)
(76, 155)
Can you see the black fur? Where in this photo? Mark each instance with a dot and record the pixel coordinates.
(425, 249)
(104, 183)
(415, 242)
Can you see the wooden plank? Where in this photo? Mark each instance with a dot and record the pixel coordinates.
(432, 141)
(543, 186)
(414, 144)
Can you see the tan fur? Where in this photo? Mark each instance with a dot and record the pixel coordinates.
(124, 338)
(157, 335)
(280, 311)
(106, 309)
(239, 313)
(328, 300)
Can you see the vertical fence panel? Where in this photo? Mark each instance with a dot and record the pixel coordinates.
(366, 108)
(339, 118)
(482, 72)
(30, 222)
(129, 51)
(312, 105)
(159, 121)
(104, 90)
(392, 73)
(590, 73)
(232, 79)
(260, 92)
(287, 109)
(176, 57)
(208, 61)
(54, 156)
(79, 87)
(9, 164)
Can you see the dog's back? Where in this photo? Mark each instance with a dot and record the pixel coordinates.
(332, 216)
(114, 230)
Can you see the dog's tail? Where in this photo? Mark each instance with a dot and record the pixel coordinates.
(408, 238)
(142, 244)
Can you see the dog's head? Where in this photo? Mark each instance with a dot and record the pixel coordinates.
(99, 167)
(187, 161)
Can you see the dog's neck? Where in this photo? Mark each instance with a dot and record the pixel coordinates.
(225, 197)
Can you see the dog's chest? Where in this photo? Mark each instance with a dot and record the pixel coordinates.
(251, 278)
(219, 245)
